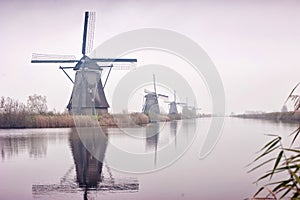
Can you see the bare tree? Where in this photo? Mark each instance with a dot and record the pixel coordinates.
(37, 104)
(9, 105)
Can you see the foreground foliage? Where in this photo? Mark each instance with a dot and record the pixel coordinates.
(286, 163)
(281, 180)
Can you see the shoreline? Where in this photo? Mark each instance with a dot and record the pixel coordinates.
(32, 121)
(36, 121)
(289, 117)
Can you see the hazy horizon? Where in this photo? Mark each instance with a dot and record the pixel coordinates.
(254, 44)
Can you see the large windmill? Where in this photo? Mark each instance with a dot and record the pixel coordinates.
(151, 106)
(88, 95)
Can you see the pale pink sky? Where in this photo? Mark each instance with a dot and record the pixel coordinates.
(255, 45)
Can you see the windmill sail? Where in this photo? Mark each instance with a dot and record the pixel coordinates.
(86, 18)
(90, 33)
(162, 95)
(154, 83)
(52, 58)
(147, 91)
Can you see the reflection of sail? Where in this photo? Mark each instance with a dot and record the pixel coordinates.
(88, 146)
(152, 136)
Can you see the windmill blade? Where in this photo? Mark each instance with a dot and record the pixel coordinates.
(163, 96)
(119, 66)
(54, 61)
(167, 101)
(110, 60)
(124, 66)
(154, 83)
(118, 63)
(86, 19)
(174, 95)
(90, 32)
(147, 91)
(52, 58)
(192, 107)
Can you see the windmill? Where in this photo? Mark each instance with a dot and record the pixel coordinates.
(189, 111)
(88, 95)
(194, 110)
(151, 106)
(173, 105)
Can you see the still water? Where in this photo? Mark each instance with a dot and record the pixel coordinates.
(55, 164)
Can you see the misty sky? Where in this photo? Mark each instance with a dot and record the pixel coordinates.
(255, 45)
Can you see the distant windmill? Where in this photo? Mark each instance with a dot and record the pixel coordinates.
(88, 95)
(185, 110)
(173, 105)
(194, 110)
(189, 111)
(151, 105)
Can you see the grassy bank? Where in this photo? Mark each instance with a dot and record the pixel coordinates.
(123, 120)
(35, 114)
(25, 120)
(276, 116)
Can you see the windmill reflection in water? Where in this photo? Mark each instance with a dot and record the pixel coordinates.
(91, 173)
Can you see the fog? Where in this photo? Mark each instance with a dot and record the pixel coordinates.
(254, 45)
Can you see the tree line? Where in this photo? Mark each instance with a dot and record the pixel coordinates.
(36, 104)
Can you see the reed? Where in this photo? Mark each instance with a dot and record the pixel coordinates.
(281, 180)
(26, 120)
(14, 114)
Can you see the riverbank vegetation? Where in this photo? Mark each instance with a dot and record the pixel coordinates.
(293, 116)
(281, 157)
(35, 114)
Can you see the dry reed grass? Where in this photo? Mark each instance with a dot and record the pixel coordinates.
(26, 120)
